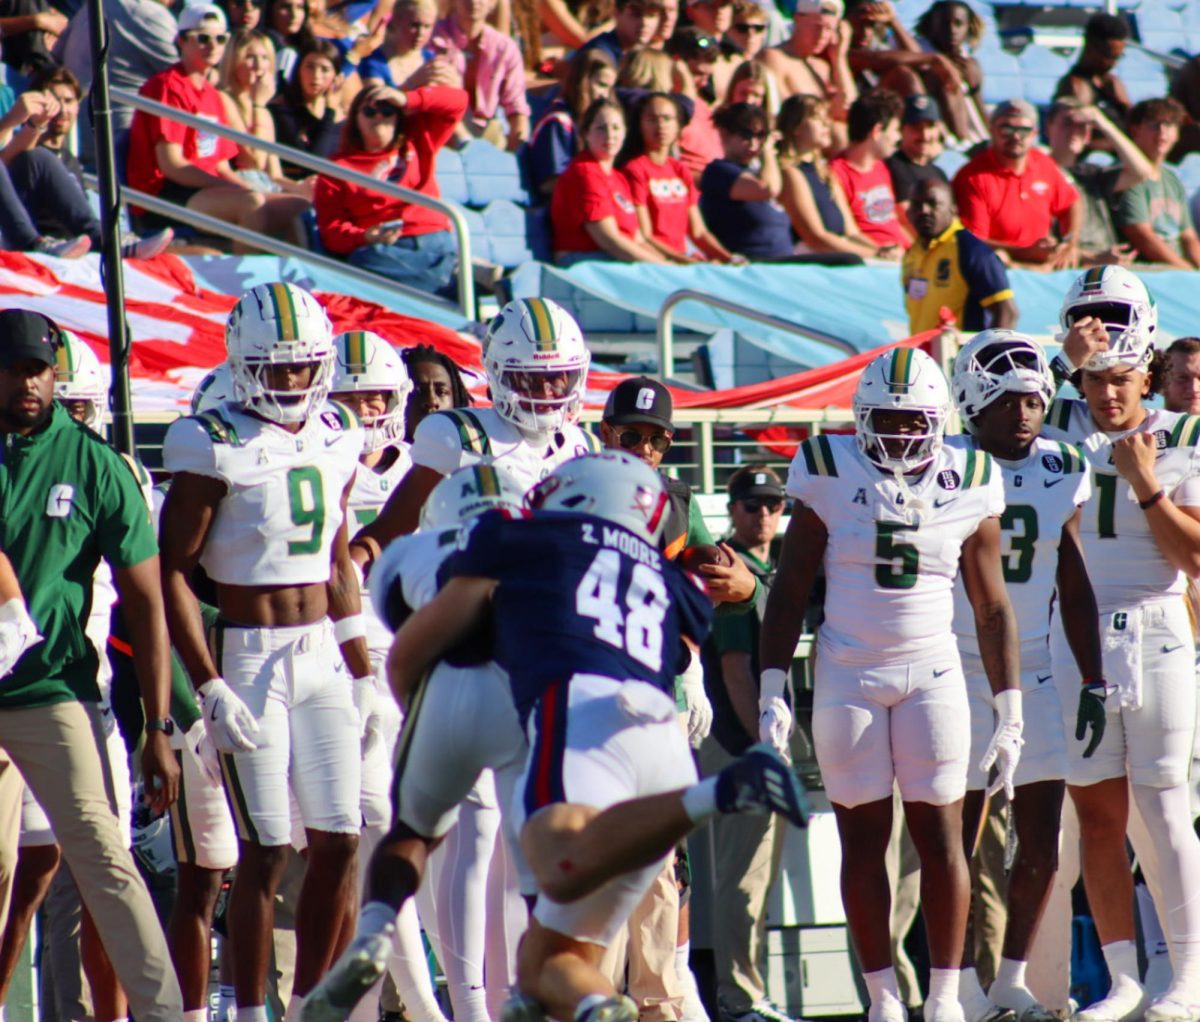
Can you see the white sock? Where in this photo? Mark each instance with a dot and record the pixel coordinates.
(1009, 990)
(1121, 958)
(374, 919)
(700, 800)
(295, 1006)
(970, 994)
(943, 984)
(882, 985)
(693, 1006)
(195, 1015)
(257, 1013)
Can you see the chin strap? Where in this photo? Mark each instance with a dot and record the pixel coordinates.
(914, 506)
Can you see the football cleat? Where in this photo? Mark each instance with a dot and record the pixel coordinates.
(359, 968)
(761, 781)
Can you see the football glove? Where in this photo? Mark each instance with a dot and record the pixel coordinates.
(699, 709)
(230, 724)
(1091, 713)
(1004, 749)
(17, 633)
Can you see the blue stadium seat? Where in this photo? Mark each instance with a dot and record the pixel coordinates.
(516, 234)
(1188, 172)
(949, 161)
(1001, 77)
(451, 178)
(1040, 71)
(492, 174)
(481, 244)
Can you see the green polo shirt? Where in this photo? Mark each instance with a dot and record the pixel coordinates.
(67, 499)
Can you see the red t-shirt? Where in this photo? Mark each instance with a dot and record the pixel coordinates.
(200, 149)
(996, 204)
(668, 192)
(699, 141)
(584, 194)
(345, 211)
(872, 201)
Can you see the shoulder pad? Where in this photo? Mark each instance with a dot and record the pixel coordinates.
(1186, 432)
(471, 433)
(338, 416)
(592, 441)
(219, 428)
(818, 456)
(1072, 458)
(1059, 415)
(977, 470)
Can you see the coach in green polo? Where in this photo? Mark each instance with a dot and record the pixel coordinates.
(67, 500)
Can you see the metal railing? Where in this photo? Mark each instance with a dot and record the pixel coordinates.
(458, 222)
(665, 328)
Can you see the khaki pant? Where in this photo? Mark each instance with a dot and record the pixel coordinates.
(746, 855)
(57, 749)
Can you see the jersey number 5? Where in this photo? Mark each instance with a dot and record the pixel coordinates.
(636, 628)
(306, 499)
(898, 562)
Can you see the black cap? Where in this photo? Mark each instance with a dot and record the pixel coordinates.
(755, 481)
(639, 399)
(919, 107)
(25, 334)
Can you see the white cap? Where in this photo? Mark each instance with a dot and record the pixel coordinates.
(193, 17)
(834, 7)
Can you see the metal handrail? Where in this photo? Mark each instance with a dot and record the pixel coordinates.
(466, 280)
(665, 328)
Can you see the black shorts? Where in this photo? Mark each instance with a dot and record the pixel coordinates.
(147, 222)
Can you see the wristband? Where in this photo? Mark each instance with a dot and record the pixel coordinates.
(771, 683)
(351, 627)
(1097, 687)
(1150, 501)
(1008, 705)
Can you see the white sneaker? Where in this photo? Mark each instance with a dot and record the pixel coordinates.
(763, 1011)
(1126, 1002)
(889, 1009)
(944, 1011)
(360, 967)
(1174, 1006)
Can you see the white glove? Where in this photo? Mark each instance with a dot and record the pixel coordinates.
(17, 633)
(230, 724)
(699, 709)
(200, 745)
(774, 717)
(1005, 747)
(366, 702)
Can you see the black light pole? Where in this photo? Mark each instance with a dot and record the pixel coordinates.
(110, 234)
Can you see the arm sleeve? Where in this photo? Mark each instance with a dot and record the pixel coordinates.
(639, 185)
(981, 268)
(718, 178)
(168, 131)
(551, 151)
(187, 447)
(512, 88)
(436, 109)
(436, 444)
(995, 491)
(735, 634)
(1065, 194)
(595, 199)
(972, 210)
(123, 527)
(1083, 489)
(1132, 206)
(338, 233)
(697, 531)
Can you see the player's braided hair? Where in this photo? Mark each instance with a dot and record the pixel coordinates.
(427, 353)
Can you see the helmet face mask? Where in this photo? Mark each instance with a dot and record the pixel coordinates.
(468, 492)
(1119, 299)
(78, 378)
(274, 327)
(536, 363)
(903, 380)
(998, 362)
(364, 363)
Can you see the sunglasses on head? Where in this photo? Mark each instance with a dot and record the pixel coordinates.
(754, 505)
(745, 26)
(631, 439)
(382, 108)
(209, 39)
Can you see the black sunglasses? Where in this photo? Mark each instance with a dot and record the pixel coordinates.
(753, 505)
(381, 109)
(743, 26)
(631, 439)
(206, 39)
(248, 3)
(750, 135)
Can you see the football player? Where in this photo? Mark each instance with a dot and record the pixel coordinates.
(894, 514)
(536, 364)
(590, 624)
(258, 499)
(1141, 538)
(1003, 387)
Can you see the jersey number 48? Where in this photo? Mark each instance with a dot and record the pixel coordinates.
(637, 627)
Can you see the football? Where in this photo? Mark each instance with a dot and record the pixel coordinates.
(692, 557)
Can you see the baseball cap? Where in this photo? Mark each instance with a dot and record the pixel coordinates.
(1014, 108)
(753, 481)
(919, 107)
(193, 17)
(639, 399)
(25, 334)
(820, 7)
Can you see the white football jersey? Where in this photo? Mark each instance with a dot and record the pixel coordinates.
(1124, 563)
(276, 523)
(1041, 493)
(445, 441)
(404, 578)
(891, 557)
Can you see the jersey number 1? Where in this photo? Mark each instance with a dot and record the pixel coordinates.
(636, 628)
(306, 499)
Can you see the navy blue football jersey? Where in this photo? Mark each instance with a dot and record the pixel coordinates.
(579, 595)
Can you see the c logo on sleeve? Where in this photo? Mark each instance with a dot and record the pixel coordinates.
(60, 500)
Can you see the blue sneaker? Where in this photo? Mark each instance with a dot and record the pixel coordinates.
(760, 781)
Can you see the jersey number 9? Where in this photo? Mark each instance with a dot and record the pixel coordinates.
(306, 498)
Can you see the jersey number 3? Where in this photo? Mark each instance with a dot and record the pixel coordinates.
(636, 627)
(306, 500)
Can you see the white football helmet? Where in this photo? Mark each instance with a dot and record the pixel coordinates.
(536, 365)
(279, 324)
(998, 362)
(470, 491)
(216, 388)
(613, 485)
(901, 380)
(78, 377)
(1119, 299)
(364, 361)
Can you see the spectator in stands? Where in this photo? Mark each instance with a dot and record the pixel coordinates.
(437, 385)
(591, 75)
(663, 190)
(701, 53)
(1070, 128)
(952, 29)
(861, 170)
(1014, 197)
(712, 19)
(29, 29)
(699, 143)
(747, 33)
(305, 113)
(920, 143)
(1092, 79)
(739, 203)
(48, 179)
(1153, 214)
(950, 267)
(1185, 87)
(812, 196)
(667, 24)
(813, 60)
(748, 84)
(406, 48)
(635, 24)
(592, 213)
(492, 72)
(242, 13)
(1181, 376)
(747, 853)
(394, 136)
(189, 167)
(20, 234)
